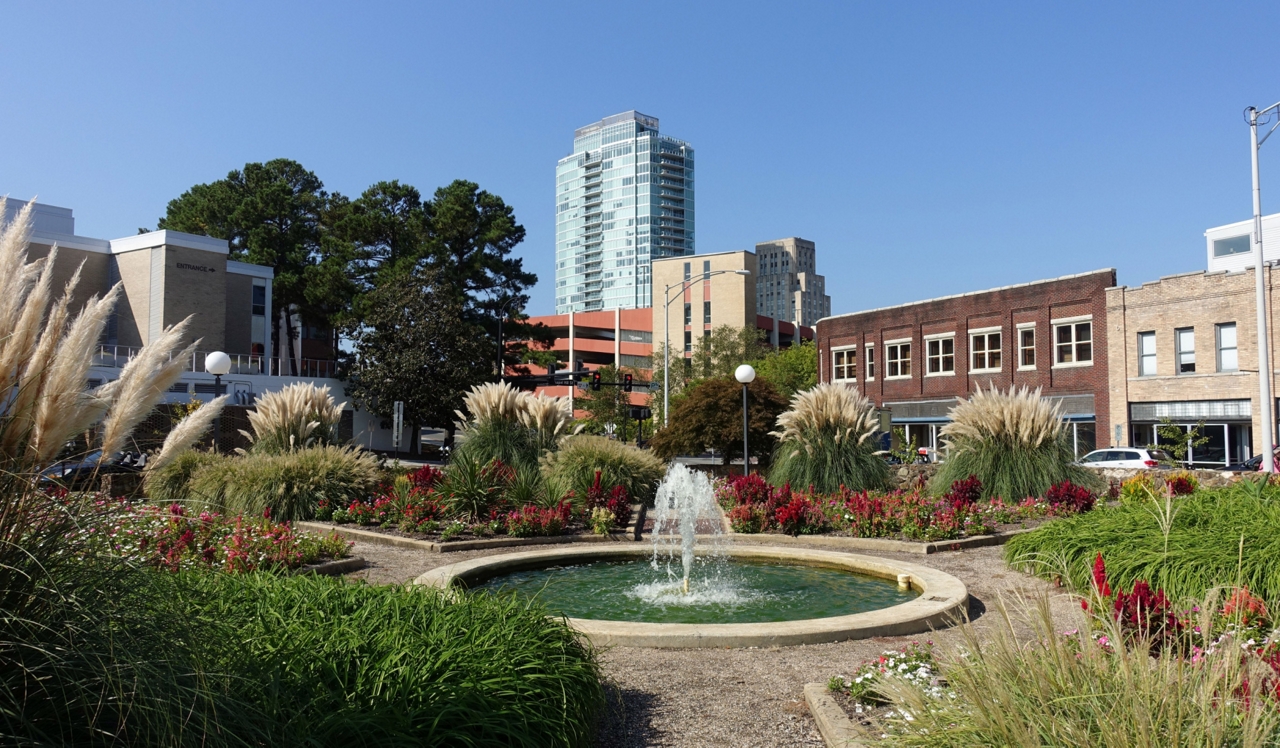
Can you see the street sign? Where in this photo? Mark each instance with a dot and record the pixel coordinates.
(397, 424)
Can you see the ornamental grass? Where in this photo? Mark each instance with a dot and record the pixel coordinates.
(1188, 546)
(1014, 441)
(297, 416)
(826, 442)
(514, 427)
(575, 465)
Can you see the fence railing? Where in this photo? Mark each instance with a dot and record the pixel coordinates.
(117, 356)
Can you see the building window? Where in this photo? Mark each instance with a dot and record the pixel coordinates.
(984, 350)
(706, 269)
(688, 314)
(870, 362)
(706, 312)
(1236, 245)
(688, 341)
(1027, 348)
(897, 359)
(941, 356)
(1228, 358)
(687, 267)
(1185, 338)
(1146, 354)
(844, 364)
(1073, 343)
(258, 319)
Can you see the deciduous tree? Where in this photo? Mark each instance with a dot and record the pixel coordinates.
(709, 416)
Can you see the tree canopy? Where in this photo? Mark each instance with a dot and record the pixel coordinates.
(709, 416)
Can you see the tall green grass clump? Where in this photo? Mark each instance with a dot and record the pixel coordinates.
(171, 482)
(574, 467)
(333, 663)
(1223, 537)
(289, 484)
(1067, 690)
(1014, 441)
(825, 441)
(297, 416)
(513, 427)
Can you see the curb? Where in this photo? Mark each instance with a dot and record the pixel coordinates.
(844, 543)
(369, 536)
(334, 568)
(838, 731)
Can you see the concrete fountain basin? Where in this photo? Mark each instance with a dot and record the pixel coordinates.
(942, 601)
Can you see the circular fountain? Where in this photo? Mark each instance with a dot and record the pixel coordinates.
(693, 588)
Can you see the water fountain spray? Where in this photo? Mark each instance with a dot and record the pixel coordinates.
(685, 507)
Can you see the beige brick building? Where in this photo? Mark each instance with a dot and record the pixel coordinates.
(1184, 348)
(789, 287)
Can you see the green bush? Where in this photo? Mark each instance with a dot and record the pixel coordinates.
(1204, 545)
(290, 484)
(1015, 442)
(171, 483)
(495, 439)
(334, 663)
(574, 467)
(826, 440)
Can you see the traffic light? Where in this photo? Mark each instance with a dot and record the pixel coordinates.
(595, 380)
(626, 382)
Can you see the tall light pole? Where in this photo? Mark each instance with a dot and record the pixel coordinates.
(1266, 404)
(666, 335)
(745, 374)
(217, 363)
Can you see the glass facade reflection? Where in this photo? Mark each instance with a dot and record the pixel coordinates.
(623, 198)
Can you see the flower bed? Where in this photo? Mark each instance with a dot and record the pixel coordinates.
(427, 505)
(171, 538)
(753, 506)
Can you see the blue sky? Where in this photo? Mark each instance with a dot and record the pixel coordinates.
(928, 148)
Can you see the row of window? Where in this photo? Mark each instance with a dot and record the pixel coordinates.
(706, 313)
(1072, 346)
(1184, 347)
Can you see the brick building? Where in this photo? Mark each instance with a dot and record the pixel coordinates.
(917, 360)
(1184, 348)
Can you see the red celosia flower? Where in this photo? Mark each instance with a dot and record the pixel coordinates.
(1100, 577)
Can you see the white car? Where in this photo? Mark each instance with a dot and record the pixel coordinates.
(1126, 457)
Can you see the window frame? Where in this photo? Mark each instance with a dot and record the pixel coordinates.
(1022, 328)
(837, 351)
(706, 312)
(1148, 335)
(986, 333)
(1179, 352)
(1073, 323)
(869, 363)
(688, 313)
(929, 356)
(1219, 348)
(890, 362)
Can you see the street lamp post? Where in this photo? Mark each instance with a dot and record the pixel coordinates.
(746, 375)
(217, 363)
(1266, 405)
(666, 336)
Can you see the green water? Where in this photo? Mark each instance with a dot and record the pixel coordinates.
(720, 591)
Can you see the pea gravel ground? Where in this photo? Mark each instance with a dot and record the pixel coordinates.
(743, 697)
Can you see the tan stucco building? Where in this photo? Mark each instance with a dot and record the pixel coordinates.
(1184, 348)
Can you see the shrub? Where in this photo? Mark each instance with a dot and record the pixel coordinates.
(511, 426)
(738, 489)
(531, 521)
(574, 466)
(1223, 537)
(1015, 442)
(1138, 489)
(472, 488)
(171, 483)
(709, 416)
(964, 493)
(1069, 495)
(748, 518)
(826, 440)
(289, 484)
(297, 416)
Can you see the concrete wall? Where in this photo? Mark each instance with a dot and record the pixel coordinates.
(94, 272)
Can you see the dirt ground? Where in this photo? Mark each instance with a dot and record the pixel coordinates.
(742, 697)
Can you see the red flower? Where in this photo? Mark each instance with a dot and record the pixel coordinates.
(1100, 577)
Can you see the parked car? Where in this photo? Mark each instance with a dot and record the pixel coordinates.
(76, 471)
(1126, 457)
(1251, 465)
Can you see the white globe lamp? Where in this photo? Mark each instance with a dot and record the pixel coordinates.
(745, 374)
(217, 363)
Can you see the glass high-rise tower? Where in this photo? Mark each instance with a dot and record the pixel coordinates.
(623, 198)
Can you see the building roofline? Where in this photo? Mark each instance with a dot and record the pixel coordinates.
(71, 241)
(785, 239)
(164, 237)
(248, 268)
(707, 254)
(969, 293)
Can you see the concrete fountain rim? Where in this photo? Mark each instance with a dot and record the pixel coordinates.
(942, 602)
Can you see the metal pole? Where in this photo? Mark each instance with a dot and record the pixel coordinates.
(1266, 405)
(746, 456)
(501, 368)
(217, 422)
(666, 357)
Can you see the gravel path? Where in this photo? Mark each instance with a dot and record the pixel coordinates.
(741, 697)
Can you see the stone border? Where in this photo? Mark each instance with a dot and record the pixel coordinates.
(431, 546)
(942, 601)
(844, 542)
(334, 568)
(838, 731)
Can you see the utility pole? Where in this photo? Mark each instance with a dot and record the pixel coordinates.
(1265, 371)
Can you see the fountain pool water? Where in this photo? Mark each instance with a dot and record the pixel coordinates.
(691, 578)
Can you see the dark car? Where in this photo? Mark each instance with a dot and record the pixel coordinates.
(81, 470)
(1250, 465)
